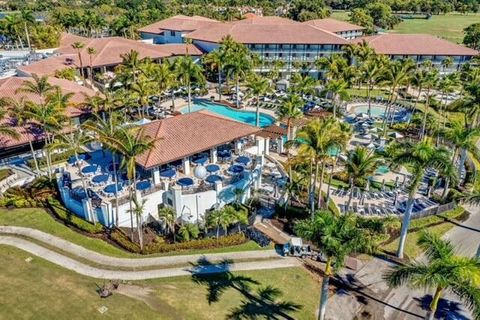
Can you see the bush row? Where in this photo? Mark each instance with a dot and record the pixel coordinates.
(71, 219)
(123, 241)
(56, 158)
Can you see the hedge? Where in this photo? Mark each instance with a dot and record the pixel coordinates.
(71, 219)
(55, 157)
(161, 247)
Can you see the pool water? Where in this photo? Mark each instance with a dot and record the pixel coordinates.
(376, 111)
(382, 169)
(248, 117)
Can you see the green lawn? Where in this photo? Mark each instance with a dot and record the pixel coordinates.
(449, 26)
(42, 290)
(4, 173)
(41, 220)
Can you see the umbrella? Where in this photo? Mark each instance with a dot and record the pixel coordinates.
(395, 135)
(213, 178)
(212, 168)
(373, 130)
(89, 169)
(112, 166)
(167, 173)
(200, 160)
(367, 136)
(144, 185)
(111, 188)
(362, 115)
(185, 182)
(100, 178)
(236, 169)
(371, 146)
(243, 160)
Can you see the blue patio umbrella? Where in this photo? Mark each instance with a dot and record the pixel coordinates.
(89, 169)
(100, 178)
(84, 156)
(243, 160)
(213, 178)
(213, 168)
(185, 182)
(113, 165)
(176, 163)
(167, 173)
(111, 188)
(236, 169)
(200, 160)
(224, 153)
(72, 160)
(144, 185)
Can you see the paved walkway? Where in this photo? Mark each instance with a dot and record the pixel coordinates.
(265, 259)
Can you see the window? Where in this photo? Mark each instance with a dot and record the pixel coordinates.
(172, 33)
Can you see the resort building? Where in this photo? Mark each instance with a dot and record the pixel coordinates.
(343, 29)
(420, 48)
(31, 132)
(200, 161)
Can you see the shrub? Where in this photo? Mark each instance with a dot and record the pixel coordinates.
(71, 219)
(56, 158)
(120, 238)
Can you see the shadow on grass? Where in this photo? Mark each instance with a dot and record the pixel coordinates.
(261, 303)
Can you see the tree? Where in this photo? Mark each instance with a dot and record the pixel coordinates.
(382, 15)
(257, 86)
(238, 65)
(443, 271)
(361, 17)
(219, 219)
(430, 82)
(339, 92)
(137, 211)
(78, 46)
(188, 231)
(291, 108)
(472, 36)
(302, 85)
(303, 10)
(361, 163)
(5, 128)
(371, 71)
(91, 52)
(188, 72)
(129, 69)
(419, 156)
(169, 217)
(337, 237)
(27, 19)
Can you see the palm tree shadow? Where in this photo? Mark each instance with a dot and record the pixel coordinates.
(445, 307)
(261, 303)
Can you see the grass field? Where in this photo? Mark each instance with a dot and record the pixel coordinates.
(449, 26)
(42, 290)
(41, 220)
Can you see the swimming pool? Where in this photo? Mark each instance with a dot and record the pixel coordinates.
(376, 111)
(248, 117)
(383, 169)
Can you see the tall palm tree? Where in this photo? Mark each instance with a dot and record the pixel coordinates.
(361, 163)
(447, 85)
(169, 217)
(290, 109)
(419, 156)
(257, 86)
(219, 219)
(137, 211)
(237, 66)
(215, 61)
(418, 80)
(188, 72)
(13, 23)
(447, 63)
(5, 128)
(27, 19)
(443, 271)
(141, 91)
(91, 52)
(316, 140)
(302, 85)
(431, 82)
(78, 46)
(337, 237)
(38, 86)
(338, 90)
(130, 142)
(333, 65)
(371, 71)
(470, 103)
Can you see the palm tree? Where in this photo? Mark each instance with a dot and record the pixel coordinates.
(219, 218)
(333, 66)
(316, 140)
(290, 109)
(370, 71)
(137, 210)
(418, 81)
(78, 46)
(447, 85)
(188, 72)
(6, 129)
(13, 23)
(141, 92)
(337, 237)
(237, 65)
(130, 143)
(419, 156)
(302, 85)
(443, 271)
(361, 163)
(188, 231)
(431, 81)
(447, 63)
(338, 90)
(257, 86)
(463, 139)
(27, 18)
(91, 52)
(38, 86)
(129, 68)
(215, 61)
(470, 103)
(169, 217)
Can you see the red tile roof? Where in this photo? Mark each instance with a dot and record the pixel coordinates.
(414, 44)
(48, 66)
(333, 25)
(179, 49)
(178, 23)
(187, 134)
(266, 30)
(8, 88)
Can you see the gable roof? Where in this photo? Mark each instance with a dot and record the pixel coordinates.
(187, 134)
(414, 44)
(266, 30)
(178, 23)
(333, 25)
(48, 66)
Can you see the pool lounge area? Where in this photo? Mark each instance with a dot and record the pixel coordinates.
(377, 111)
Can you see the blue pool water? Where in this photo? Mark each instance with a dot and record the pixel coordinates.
(376, 111)
(382, 169)
(248, 117)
